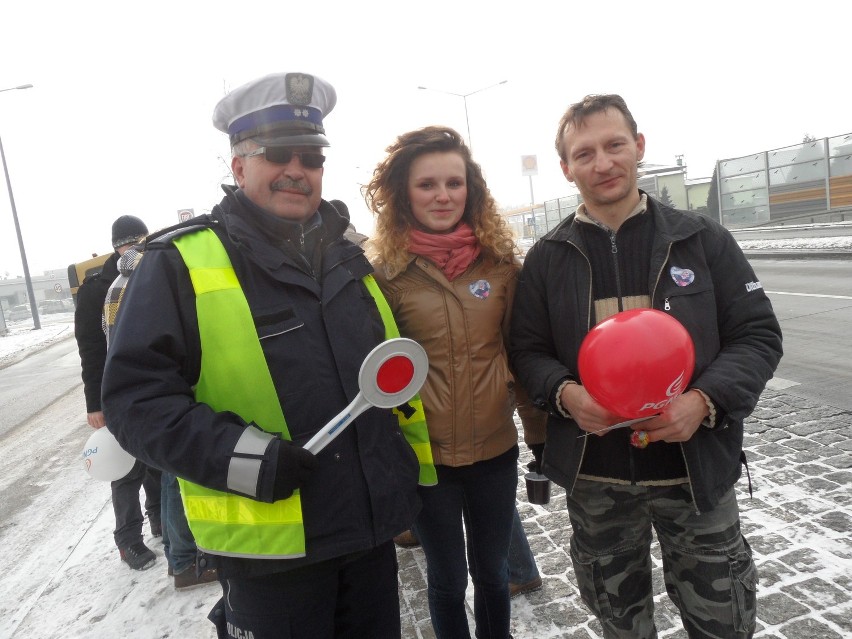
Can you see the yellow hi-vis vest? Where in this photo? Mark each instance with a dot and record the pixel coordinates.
(235, 377)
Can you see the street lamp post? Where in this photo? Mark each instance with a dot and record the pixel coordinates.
(465, 96)
(29, 282)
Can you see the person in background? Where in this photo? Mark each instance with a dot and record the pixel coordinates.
(241, 334)
(524, 576)
(623, 250)
(446, 262)
(351, 233)
(178, 542)
(127, 230)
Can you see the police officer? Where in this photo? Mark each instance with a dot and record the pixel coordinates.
(248, 330)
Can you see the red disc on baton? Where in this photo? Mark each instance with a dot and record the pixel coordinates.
(395, 374)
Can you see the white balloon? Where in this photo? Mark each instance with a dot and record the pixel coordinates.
(104, 458)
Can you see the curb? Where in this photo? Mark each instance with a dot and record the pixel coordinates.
(21, 355)
(798, 254)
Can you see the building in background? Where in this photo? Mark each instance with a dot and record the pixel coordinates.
(51, 286)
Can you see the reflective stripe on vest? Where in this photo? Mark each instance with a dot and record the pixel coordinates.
(237, 379)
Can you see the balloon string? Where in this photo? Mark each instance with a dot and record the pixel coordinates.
(629, 422)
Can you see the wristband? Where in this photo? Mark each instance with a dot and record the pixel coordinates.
(711, 418)
(558, 402)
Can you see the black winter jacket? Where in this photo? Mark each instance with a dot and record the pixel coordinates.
(88, 329)
(315, 328)
(736, 335)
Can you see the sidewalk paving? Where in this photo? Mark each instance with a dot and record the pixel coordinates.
(798, 522)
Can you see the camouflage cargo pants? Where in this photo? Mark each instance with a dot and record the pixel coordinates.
(707, 563)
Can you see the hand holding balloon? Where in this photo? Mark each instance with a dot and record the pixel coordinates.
(635, 363)
(104, 458)
(678, 421)
(589, 414)
(96, 419)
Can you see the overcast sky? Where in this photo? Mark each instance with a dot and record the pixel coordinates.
(119, 119)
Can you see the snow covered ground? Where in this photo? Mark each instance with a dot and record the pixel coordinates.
(21, 339)
(60, 574)
(840, 242)
(843, 242)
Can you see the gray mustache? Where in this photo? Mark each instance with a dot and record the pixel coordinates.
(287, 184)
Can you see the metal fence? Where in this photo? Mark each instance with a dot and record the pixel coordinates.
(813, 178)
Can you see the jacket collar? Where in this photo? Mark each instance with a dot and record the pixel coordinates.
(672, 225)
(270, 240)
(583, 215)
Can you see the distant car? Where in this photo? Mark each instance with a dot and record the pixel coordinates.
(51, 306)
(20, 312)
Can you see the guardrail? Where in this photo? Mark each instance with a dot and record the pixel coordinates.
(803, 241)
(837, 229)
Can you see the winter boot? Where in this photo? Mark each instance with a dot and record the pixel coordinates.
(190, 579)
(138, 556)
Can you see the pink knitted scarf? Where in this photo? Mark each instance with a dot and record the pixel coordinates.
(451, 252)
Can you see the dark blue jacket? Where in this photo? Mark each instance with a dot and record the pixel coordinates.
(736, 335)
(316, 322)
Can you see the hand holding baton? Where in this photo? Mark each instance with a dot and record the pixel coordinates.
(390, 375)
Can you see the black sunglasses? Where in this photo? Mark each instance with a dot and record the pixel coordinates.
(284, 155)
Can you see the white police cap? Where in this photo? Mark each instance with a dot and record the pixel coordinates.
(280, 109)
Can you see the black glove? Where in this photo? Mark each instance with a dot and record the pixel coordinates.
(538, 451)
(295, 465)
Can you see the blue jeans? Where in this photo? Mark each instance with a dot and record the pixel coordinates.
(178, 542)
(480, 500)
(522, 568)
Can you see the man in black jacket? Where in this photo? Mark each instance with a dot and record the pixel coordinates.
(127, 230)
(623, 250)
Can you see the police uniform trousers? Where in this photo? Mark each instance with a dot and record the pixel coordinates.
(354, 596)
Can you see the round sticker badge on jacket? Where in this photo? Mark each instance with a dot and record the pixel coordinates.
(480, 289)
(682, 276)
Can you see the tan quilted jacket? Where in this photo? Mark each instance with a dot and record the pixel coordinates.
(470, 394)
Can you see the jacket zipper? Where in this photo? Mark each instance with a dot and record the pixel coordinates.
(667, 307)
(614, 251)
(619, 297)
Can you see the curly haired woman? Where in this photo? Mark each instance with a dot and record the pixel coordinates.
(446, 262)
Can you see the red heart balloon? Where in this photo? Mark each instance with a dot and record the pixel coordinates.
(636, 362)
